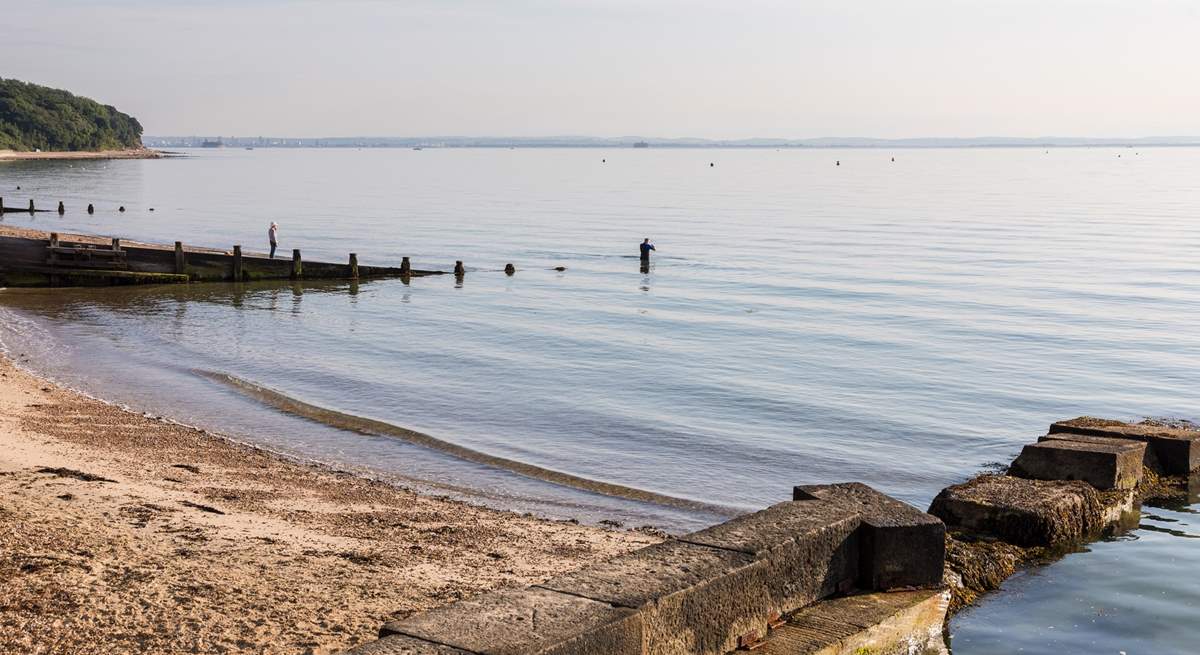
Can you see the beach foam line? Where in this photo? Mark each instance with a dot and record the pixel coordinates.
(363, 425)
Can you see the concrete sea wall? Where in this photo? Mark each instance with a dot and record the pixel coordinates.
(839, 570)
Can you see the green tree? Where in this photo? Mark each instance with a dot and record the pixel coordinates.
(39, 117)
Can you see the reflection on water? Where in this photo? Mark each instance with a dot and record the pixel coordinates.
(1135, 593)
(899, 323)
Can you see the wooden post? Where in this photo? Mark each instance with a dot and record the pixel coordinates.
(353, 266)
(459, 270)
(297, 265)
(180, 261)
(116, 244)
(237, 263)
(405, 267)
(62, 209)
(1, 206)
(54, 239)
(31, 205)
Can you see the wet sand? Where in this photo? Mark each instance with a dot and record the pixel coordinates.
(131, 153)
(126, 533)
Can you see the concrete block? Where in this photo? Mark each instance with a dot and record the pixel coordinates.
(811, 549)
(529, 621)
(1022, 511)
(401, 645)
(1149, 460)
(1105, 466)
(901, 546)
(1177, 450)
(897, 623)
(692, 599)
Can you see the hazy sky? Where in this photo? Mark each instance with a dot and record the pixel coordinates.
(736, 68)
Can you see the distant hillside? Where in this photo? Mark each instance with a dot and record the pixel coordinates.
(38, 117)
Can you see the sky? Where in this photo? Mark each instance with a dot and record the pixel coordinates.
(666, 68)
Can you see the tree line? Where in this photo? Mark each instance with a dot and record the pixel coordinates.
(36, 117)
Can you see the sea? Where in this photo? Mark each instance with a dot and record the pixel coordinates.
(901, 317)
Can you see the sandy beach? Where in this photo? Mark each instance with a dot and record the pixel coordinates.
(122, 533)
(132, 153)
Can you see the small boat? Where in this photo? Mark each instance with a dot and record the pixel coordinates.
(418, 148)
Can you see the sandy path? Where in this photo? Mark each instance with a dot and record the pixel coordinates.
(190, 543)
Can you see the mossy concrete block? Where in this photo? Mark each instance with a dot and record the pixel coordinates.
(898, 623)
(1177, 450)
(1022, 511)
(1105, 466)
(811, 549)
(531, 621)
(1149, 459)
(901, 546)
(402, 645)
(692, 599)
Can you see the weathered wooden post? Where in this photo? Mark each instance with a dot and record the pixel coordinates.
(405, 267)
(54, 239)
(1, 206)
(237, 263)
(31, 205)
(91, 209)
(297, 265)
(62, 209)
(116, 244)
(353, 266)
(509, 269)
(180, 261)
(459, 270)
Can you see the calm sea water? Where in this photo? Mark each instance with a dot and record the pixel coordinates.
(902, 323)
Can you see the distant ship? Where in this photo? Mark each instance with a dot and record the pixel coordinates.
(211, 144)
(418, 148)
(641, 144)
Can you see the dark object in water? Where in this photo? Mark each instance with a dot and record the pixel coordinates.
(91, 209)
(121, 208)
(560, 268)
(509, 269)
(839, 162)
(61, 208)
(151, 209)
(710, 164)
(459, 269)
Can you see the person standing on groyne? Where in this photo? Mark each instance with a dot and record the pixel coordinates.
(273, 236)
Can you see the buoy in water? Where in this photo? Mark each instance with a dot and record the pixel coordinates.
(509, 269)
(121, 208)
(91, 209)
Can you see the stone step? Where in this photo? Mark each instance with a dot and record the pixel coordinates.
(1113, 465)
(876, 623)
(1177, 450)
(1149, 460)
(1028, 512)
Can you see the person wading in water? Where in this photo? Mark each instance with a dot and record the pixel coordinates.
(646, 247)
(273, 235)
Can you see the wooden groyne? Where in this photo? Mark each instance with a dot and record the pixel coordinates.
(31, 259)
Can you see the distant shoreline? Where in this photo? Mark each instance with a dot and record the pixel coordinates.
(131, 153)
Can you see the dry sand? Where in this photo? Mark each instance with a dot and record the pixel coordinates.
(132, 153)
(125, 534)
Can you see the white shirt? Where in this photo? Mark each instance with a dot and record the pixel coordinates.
(271, 233)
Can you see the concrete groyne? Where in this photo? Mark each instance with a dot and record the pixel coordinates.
(28, 260)
(840, 569)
